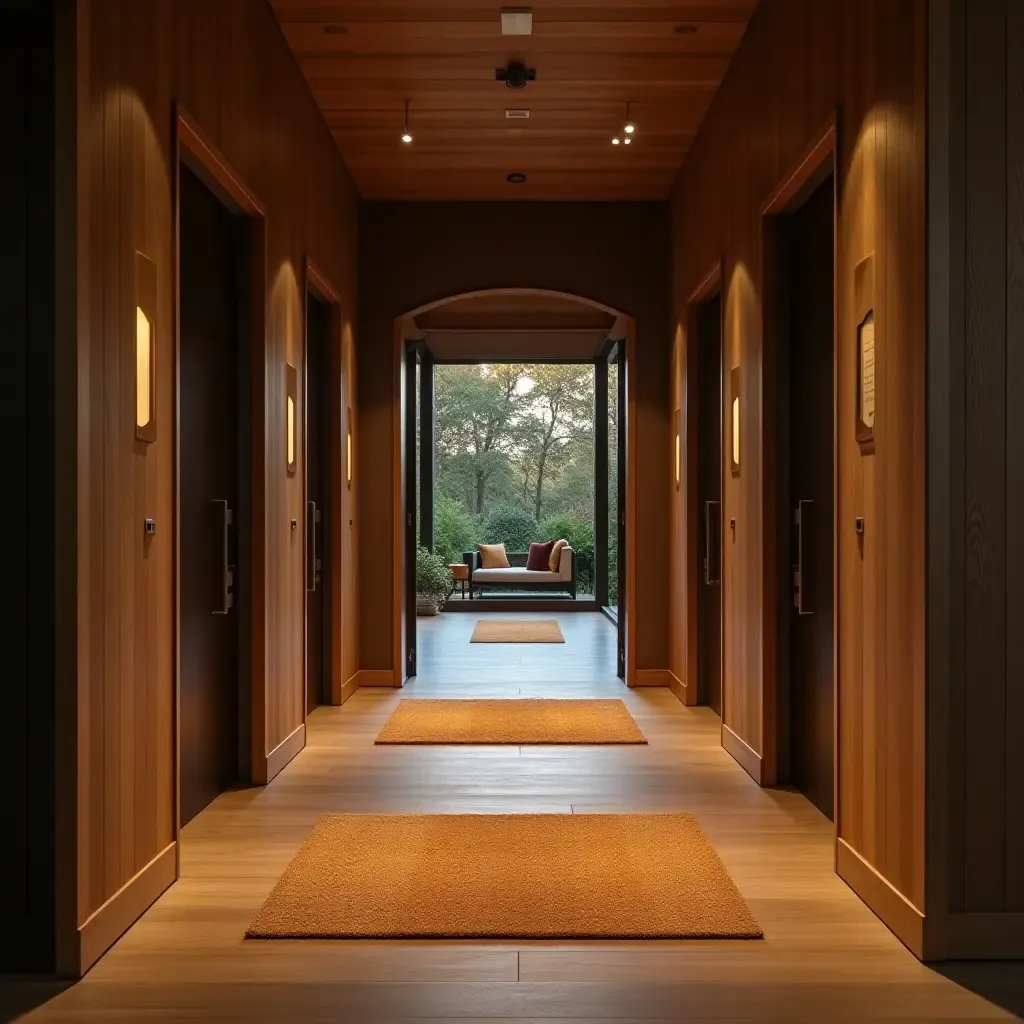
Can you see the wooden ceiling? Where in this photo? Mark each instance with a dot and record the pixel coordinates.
(364, 58)
(517, 325)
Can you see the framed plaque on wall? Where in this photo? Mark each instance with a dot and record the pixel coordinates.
(867, 378)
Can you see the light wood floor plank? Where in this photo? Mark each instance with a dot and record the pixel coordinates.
(825, 957)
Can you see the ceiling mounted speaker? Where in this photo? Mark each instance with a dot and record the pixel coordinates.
(516, 75)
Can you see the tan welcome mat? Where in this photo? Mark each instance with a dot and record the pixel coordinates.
(517, 631)
(526, 721)
(505, 876)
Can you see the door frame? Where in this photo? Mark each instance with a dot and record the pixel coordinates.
(193, 148)
(818, 161)
(317, 284)
(404, 332)
(709, 284)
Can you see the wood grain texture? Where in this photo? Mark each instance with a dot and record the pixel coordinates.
(825, 957)
(798, 61)
(589, 61)
(976, 714)
(415, 254)
(232, 71)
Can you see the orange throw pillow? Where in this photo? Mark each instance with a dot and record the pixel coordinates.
(556, 554)
(492, 556)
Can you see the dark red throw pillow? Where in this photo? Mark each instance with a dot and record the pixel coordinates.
(540, 556)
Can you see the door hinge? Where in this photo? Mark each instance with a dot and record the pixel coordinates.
(412, 654)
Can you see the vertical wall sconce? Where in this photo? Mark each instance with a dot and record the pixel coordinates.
(291, 392)
(348, 447)
(145, 348)
(678, 467)
(734, 447)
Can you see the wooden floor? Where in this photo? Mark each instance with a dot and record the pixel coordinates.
(825, 957)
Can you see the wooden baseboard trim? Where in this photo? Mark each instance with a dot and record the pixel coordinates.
(106, 925)
(895, 911)
(348, 688)
(974, 936)
(749, 759)
(285, 751)
(652, 677)
(678, 687)
(375, 677)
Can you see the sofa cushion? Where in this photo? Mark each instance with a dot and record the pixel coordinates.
(492, 556)
(517, 575)
(555, 558)
(540, 557)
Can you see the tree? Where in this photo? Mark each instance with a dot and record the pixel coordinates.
(559, 425)
(476, 408)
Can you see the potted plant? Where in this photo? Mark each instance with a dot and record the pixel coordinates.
(433, 582)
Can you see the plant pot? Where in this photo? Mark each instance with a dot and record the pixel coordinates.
(426, 605)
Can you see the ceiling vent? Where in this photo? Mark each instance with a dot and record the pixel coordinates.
(518, 114)
(516, 21)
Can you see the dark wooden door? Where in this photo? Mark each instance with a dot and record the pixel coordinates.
(709, 510)
(210, 239)
(811, 459)
(318, 342)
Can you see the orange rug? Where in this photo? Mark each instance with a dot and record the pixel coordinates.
(527, 721)
(507, 876)
(517, 631)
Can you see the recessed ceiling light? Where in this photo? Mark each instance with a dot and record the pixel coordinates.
(516, 177)
(685, 30)
(627, 140)
(517, 114)
(516, 21)
(616, 141)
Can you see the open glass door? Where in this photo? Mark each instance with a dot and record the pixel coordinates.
(411, 371)
(615, 410)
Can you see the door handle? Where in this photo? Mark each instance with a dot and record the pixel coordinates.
(800, 521)
(313, 562)
(224, 519)
(711, 574)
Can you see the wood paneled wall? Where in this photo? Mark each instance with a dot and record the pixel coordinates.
(800, 62)
(976, 478)
(415, 253)
(227, 64)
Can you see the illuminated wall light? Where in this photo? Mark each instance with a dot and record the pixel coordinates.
(291, 399)
(348, 449)
(145, 348)
(677, 457)
(734, 449)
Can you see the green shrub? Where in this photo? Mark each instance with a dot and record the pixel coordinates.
(455, 529)
(512, 526)
(433, 577)
(580, 535)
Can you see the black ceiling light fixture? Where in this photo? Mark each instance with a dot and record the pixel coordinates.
(516, 177)
(515, 75)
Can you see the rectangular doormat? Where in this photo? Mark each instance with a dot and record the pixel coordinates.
(517, 631)
(515, 876)
(519, 721)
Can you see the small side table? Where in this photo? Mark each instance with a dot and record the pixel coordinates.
(460, 574)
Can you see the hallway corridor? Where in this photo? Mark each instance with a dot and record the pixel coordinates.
(825, 957)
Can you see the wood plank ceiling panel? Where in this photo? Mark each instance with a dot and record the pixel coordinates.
(363, 61)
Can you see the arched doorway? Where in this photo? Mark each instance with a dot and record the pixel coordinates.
(526, 325)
